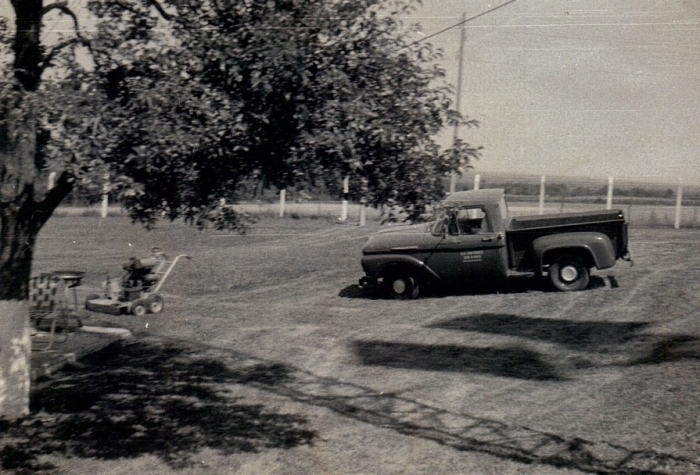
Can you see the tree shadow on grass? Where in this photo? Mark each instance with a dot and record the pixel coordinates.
(669, 349)
(579, 335)
(137, 399)
(45, 433)
(604, 337)
(511, 362)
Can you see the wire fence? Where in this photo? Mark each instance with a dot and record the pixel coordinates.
(651, 203)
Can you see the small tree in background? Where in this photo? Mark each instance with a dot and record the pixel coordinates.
(186, 99)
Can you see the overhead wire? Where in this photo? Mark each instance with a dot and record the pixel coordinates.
(462, 22)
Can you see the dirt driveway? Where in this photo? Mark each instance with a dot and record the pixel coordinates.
(269, 359)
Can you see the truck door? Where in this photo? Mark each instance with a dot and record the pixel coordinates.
(471, 250)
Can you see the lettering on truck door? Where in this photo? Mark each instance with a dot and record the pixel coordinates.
(470, 249)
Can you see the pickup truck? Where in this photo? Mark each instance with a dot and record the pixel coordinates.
(474, 240)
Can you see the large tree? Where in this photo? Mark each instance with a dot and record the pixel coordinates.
(186, 99)
(333, 89)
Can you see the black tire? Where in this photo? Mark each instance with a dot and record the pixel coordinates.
(569, 273)
(401, 285)
(138, 308)
(155, 304)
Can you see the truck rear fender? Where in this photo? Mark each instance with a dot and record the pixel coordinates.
(596, 248)
(380, 264)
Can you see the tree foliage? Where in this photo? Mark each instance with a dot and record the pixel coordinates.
(290, 91)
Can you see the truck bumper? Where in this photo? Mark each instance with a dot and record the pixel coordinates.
(628, 257)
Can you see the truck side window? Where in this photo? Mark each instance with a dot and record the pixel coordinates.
(472, 221)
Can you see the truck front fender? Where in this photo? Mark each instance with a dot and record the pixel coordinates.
(375, 264)
(597, 246)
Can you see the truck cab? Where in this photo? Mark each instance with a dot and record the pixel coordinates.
(469, 238)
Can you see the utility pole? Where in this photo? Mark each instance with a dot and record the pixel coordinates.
(458, 99)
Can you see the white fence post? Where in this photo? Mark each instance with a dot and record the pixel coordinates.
(610, 192)
(52, 181)
(679, 202)
(105, 205)
(477, 181)
(283, 199)
(105, 197)
(363, 213)
(542, 182)
(346, 191)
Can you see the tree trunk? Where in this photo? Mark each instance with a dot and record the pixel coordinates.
(17, 175)
(27, 44)
(15, 352)
(17, 239)
(25, 206)
(16, 250)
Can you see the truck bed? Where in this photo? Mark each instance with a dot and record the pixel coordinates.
(585, 218)
(523, 230)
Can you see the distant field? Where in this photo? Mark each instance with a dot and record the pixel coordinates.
(269, 359)
(641, 215)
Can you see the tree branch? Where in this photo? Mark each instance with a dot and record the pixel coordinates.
(156, 4)
(53, 198)
(63, 8)
(49, 57)
(53, 6)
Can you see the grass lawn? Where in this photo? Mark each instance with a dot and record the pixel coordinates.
(269, 359)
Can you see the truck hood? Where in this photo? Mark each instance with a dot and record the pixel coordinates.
(404, 238)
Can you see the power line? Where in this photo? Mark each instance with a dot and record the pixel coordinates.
(461, 23)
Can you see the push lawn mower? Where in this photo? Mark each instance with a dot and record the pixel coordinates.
(137, 290)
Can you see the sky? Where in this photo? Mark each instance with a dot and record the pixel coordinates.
(591, 88)
(585, 88)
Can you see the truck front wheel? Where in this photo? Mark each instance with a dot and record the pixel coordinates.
(401, 285)
(569, 273)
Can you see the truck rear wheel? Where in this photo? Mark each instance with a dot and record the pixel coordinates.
(401, 285)
(569, 273)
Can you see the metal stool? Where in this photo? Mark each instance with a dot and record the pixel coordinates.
(49, 312)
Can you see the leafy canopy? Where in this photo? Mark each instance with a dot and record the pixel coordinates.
(186, 103)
